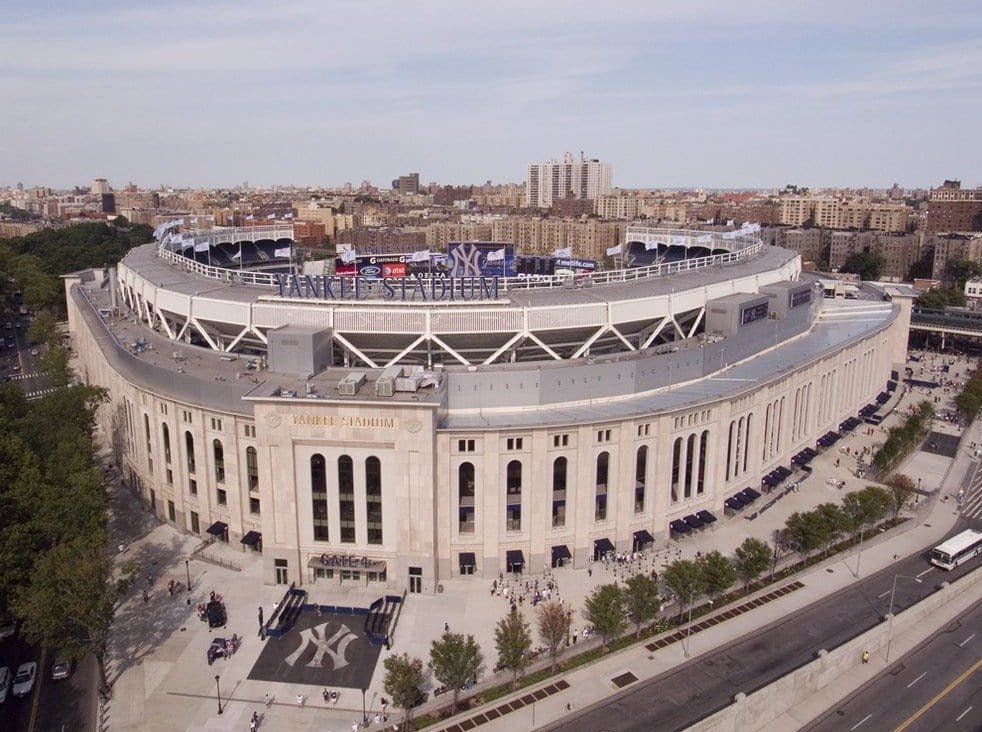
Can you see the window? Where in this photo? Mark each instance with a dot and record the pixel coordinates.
(252, 468)
(559, 466)
(465, 445)
(165, 431)
(171, 512)
(219, 453)
(170, 477)
(640, 479)
(676, 468)
(193, 487)
(163, 409)
(221, 496)
(216, 424)
(249, 430)
(560, 440)
(600, 498)
(318, 494)
(514, 443)
(465, 498)
(644, 429)
(254, 505)
(146, 430)
(373, 499)
(603, 435)
(185, 416)
(195, 523)
(189, 449)
(346, 498)
(513, 487)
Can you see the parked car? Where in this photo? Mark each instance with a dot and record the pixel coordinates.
(61, 668)
(24, 680)
(4, 683)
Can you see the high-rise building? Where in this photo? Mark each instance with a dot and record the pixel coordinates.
(953, 208)
(551, 181)
(408, 184)
(100, 187)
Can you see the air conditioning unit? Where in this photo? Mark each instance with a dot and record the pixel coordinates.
(351, 383)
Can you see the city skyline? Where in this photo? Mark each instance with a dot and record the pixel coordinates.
(752, 96)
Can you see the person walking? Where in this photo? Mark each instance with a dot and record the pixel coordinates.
(268, 700)
(865, 656)
(300, 700)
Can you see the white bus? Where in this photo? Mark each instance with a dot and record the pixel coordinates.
(959, 548)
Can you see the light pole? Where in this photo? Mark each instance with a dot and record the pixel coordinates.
(893, 592)
(859, 554)
(218, 691)
(688, 630)
(187, 568)
(364, 714)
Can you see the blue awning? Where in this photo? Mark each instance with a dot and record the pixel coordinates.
(252, 538)
(219, 528)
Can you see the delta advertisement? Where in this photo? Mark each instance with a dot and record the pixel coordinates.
(480, 259)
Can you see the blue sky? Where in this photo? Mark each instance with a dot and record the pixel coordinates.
(320, 92)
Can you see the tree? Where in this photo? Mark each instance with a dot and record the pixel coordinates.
(456, 661)
(959, 271)
(718, 573)
(513, 641)
(43, 328)
(553, 628)
(868, 265)
(641, 600)
(686, 581)
(900, 488)
(70, 599)
(604, 609)
(403, 682)
(53, 363)
(806, 531)
(753, 557)
(834, 522)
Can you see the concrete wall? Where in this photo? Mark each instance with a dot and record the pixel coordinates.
(761, 708)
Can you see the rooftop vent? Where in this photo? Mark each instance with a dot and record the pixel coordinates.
(351, 383)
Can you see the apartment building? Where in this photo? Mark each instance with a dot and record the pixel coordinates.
(552, 180)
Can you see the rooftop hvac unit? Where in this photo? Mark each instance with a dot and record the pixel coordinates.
(351, 383)
(408, 383)
(385, 386)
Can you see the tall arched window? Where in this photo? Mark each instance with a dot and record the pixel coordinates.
(219, 453)
(146, 432)
(676, 468)
(346, 498)
(690, 456)
(252, 468)
(600, 495)
(701, 472)
(189, 449)
(165, 432)
(318, 494)
(640, 478)
(559, 492)
(513, 496)
(465, 498)
(373, 499)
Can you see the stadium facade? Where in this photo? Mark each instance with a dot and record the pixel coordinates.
(478, 426)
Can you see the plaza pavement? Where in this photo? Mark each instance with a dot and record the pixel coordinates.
(161, 680)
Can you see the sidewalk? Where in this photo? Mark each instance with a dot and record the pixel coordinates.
(162, 682)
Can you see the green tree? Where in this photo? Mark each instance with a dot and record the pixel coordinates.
(718, 573)
(70, 599)
(834, 522)
(641, 600)
(939, 298)
(901, 489)
(455, 660)
(43, 328)
(553, 627)
(53, 363)
(862, 509)
(960, 271)
(753, 557)
(806, 530)
(686, 581)
(513, 640)
(604, 609)
(868, 265)
(403, 682)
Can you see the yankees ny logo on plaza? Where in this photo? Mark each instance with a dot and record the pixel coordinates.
(335, 646)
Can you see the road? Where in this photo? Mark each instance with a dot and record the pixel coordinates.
(679, 698)
(937, 686)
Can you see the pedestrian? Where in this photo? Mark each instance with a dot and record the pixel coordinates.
(146, 597)
(268, 700)
(446, 627)
(260, 615)
(567, 707)
(865, 656)
(300, 700)
(170, 588)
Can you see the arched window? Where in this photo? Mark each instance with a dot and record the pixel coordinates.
(676, 468)
(640, 478)
(146, 431)
(600, 496)
(318, 494)
(513, 495)
(252, 468)
(701, 472)
(219, 452)
(189, 449)
(559, 466)
(165, 432)
(465, 498)
(690, 456)
(346, 498)
(373, 499)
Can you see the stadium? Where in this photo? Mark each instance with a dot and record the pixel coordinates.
(408, 421)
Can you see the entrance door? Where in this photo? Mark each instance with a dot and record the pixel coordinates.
(416, 579)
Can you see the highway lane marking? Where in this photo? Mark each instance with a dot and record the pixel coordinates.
(862, 721)
(962, 644)
(884, 594)
(940, 695)
(929, 569)
(917, 679)
(39, 679)
(959, 717)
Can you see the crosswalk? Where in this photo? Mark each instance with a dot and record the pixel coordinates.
(20, 377)
(970, 495)
(40, 393)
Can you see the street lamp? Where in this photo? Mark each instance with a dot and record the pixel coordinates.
(893, 591)
(569, 622)
(218, 691)
(688, 630)
(364, 714)
(187, 568)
